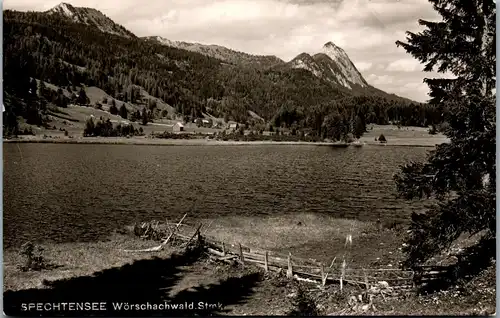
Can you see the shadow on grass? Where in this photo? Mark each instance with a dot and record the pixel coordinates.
(476, 259)
(214, 297)
(143, 282)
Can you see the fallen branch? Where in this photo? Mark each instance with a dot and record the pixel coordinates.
(209, 224)
(174, 230)
(195, 233)
(159, 247)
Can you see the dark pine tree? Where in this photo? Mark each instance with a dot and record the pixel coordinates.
(113, 110)
(359, 127)
(459, 174)
(144, 117)
(123, 112)
(82, 98)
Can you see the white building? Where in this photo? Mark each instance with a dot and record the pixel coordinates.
(178, 127)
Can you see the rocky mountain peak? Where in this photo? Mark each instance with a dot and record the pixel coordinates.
(91, 17)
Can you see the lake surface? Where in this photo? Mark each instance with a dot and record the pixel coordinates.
(66, 192)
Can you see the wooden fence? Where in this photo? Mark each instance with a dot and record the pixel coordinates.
(295, 267)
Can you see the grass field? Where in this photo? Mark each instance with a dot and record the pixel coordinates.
(406, 136)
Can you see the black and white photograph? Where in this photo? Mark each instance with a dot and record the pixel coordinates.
(249, 158)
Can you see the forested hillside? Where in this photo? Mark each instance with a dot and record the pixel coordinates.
(70, 55)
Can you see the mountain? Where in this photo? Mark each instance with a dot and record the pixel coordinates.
(307, 62)
(91, 17)
(220, 52)
(333, 65)
(73, 53)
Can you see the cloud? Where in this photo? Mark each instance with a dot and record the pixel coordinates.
(364, 66)
(365, 29)
(380, 79)
(406, 85)
(404, 65)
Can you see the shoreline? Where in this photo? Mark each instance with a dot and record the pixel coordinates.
(78, 269)
(209, 142)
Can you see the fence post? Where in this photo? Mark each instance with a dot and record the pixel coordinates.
(265, 262)
(223, 249)
(198, 238)
(323, 276)
(241, 254)
(367, 284)
(289, 272)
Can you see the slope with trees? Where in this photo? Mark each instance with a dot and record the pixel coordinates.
(53, 49)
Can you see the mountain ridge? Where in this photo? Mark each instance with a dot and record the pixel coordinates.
(220, 52)
(58, 50)
(331, 64)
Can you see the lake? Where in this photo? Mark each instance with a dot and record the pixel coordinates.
(70, 192)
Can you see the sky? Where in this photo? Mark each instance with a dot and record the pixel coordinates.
(366, 29)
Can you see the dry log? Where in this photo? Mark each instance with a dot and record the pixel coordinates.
(212, 251)
(304, 279)
(228, 257)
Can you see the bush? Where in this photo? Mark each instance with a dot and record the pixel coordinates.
(304, 305)
(433, 130)
(113, 110)
(349, 138)
(34, 260)
(27, 131)
(104, 128)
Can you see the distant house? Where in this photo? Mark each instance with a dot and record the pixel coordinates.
(178, 127)
(233, 126)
